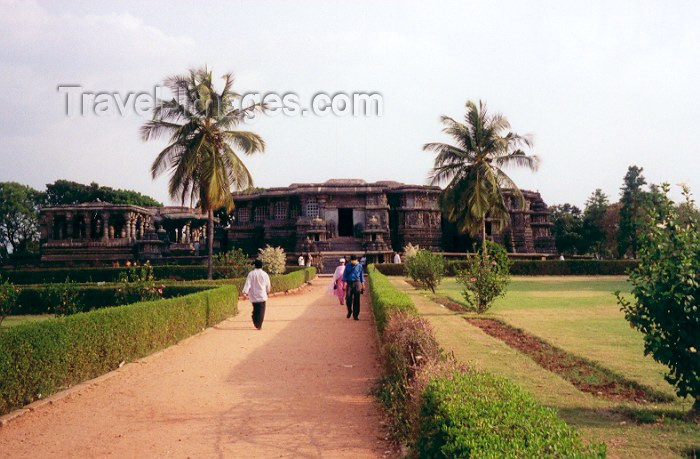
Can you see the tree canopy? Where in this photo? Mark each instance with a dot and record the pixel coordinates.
(67, 192)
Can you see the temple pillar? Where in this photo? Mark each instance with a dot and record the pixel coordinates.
(69, 225)
(105, 226)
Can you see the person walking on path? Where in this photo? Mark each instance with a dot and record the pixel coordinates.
(354, 278)
(256, 287)
(338, 285)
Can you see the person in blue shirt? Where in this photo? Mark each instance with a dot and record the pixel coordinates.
(354, 277)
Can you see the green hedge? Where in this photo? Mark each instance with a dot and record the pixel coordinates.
(461, 413)
(104, 274)
(474, 414)
(386, 298)
(32, 298)
(40, 358)
(536, 267)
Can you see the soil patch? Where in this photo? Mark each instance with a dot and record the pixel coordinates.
(587, 376)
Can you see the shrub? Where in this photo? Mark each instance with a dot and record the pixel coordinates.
(426, 268)
(64, 299)
(409, 345)
(410, 250)
(9, 295)
(666, 290)
(485, 277)
(138, 284)
(392, 269)
(471, 414)
(273, 259)
(231, 264)
(40, 358)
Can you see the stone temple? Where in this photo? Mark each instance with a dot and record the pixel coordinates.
(337, 217)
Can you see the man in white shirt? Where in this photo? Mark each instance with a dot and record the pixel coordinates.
(301, 260)
(257, 286)
(397, 258)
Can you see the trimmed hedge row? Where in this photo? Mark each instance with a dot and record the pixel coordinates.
(32, 299)
(105, 274)
(536, 267)
(446, 411)
(40, 358)
(386, 299)
(472, 414)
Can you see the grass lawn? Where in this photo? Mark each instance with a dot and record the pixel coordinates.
(13, 321)
(580, 315)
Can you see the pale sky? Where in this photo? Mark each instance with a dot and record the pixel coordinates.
(600, 85)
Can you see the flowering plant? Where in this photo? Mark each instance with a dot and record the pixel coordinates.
(138, 284)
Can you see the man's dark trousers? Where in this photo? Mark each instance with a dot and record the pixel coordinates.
(258, 314)
(352, 299)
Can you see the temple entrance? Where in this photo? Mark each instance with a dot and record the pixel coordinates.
(345, 222)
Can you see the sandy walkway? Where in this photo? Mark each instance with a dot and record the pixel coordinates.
(297, 388)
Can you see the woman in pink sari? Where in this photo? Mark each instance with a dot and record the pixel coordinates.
(338, 285)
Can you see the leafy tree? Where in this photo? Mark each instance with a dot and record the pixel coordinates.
(666, 291)
(485, 278)
(568, 228)
(611, 225)
(67, 192)
(593, 222)
(19, 218)
(631, 212)
(200, 156)
(473, 166)
(426, 268)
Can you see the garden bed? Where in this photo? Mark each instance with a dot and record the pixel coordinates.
(583, 374)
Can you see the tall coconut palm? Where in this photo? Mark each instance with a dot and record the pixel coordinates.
(472, 168)
(201, 152)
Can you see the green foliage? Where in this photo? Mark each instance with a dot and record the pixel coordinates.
(40, 358)
(386, 298)
(67, 192)
(485, 277)
(593, 230)
(99, 274)
(471, 414)
(273, 259)
(19, 219)
(426, 268)
(631, 212)
(64, 299)
(231, 264)
(9, 295)
(666, 290)
(567, 229)
(138, 284)
(391, 269)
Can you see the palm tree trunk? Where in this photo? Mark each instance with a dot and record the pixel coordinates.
(483, 236)
(210, 243)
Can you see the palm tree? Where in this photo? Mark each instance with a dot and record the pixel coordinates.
(201, 124)
(472, 168)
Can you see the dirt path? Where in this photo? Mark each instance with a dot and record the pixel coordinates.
(297, 388)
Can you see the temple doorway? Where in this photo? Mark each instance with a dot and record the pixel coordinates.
(345, 222)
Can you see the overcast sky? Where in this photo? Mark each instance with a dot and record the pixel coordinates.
(600, 85)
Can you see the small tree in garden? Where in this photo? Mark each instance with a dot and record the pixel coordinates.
(666, 291)
(485, 278)
(138, 284)
(426, 268)
(274, 259)
(63, 299)
(232, 264)
(9, 295)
